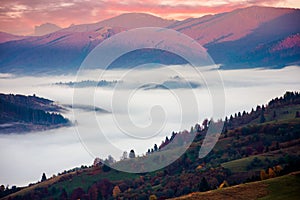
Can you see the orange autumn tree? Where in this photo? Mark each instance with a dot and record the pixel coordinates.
(116, 191)
(277, 169)
(272, 174)
(263, 175)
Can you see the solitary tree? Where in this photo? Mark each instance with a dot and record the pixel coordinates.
(124, 156)
(131, 154)
(44, 177)
(263, 175)
(152, 197)
(205, 123)
(239, 114)
(155, 147)
(97, 162)
(110, 159)
(278, 169)
(167, 139)
(272, 174)
(116, 191)
(2, 188)
(192, 130)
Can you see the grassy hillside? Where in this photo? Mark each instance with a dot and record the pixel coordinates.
(284, 187)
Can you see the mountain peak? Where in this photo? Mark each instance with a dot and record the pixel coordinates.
(125, 20)
(46, 28)
(137, 20)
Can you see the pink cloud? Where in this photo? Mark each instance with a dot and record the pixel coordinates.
(20, 16)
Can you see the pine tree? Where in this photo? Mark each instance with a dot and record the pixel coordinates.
(297, 114)
(44, 177)
(262, 118)
(274, 114)
(204, 186)
(155, 147)
(205, 123)
(131, 154)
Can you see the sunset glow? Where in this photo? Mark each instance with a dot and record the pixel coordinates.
(20, 16)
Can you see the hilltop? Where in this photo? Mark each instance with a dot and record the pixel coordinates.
(255, 145)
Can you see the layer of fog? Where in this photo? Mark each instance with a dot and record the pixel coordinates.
(26, 157)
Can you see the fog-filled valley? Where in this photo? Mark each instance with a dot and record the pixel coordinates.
(27, 156)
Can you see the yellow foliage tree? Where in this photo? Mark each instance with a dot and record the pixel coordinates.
(199, 167)
(116, 191)
(263, 175)
(223, 184)
(152, 197)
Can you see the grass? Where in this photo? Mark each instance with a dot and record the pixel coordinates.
(30, 188)
(286, 112)
(284, 187)
(240, 165)
(283, 113)
(151, 162)
(85, 180)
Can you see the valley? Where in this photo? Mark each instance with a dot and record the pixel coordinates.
(248, 147)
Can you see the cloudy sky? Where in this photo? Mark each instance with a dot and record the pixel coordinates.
(20, 16)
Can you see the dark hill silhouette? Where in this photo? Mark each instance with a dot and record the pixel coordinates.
(20, 113)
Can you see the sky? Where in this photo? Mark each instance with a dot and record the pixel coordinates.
(21, 16)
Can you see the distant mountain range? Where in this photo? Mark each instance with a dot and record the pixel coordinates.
(244, 38)
(6, 37)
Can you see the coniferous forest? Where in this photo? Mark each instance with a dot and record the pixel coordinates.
(28, 112)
